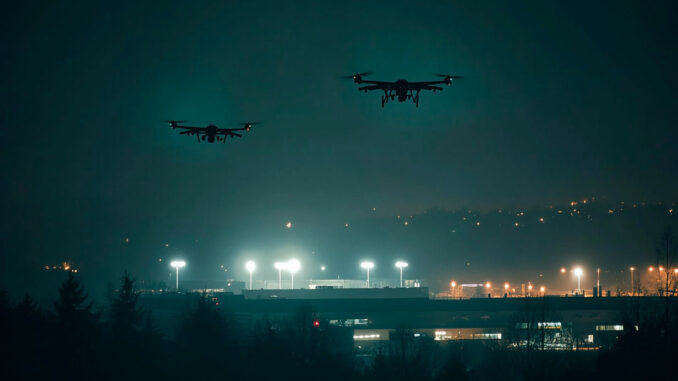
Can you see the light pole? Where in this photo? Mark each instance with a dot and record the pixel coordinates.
(401, 265)
(578, 272)
(250, 266)
(293, 265)
(598, 283)
(177, 265)
(367, 266)
(280, 266)
(453, 285)
(632, 289)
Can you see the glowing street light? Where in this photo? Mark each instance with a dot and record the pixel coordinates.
(250, 266)
(542, 289)
(280, 266)
(367, 266)
(563, 270)
(401, 265)
(177, 265)
(578, 272)
(632, 289)
(293, 265)
(488, 285)
(529, 289)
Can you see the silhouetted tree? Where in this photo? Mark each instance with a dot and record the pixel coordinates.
(130, 349)
(665, 257)
(126, 314)
(5, 311)
(453, 370)
(77, 333)
(30, 350)
(204, 344)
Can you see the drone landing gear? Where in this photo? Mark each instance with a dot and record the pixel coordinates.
(416, 99)
(384, 98)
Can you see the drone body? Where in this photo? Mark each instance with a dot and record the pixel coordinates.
(402, 89)
(211, 133)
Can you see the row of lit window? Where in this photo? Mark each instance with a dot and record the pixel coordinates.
(372, 336)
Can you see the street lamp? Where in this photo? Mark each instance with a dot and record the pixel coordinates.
(453, 286)
(367, 266)
(632, 289)
(529, 289)
(177, 265)
(293, 265)
(578, 272)
(250, 266)
(280, 266)
(401, 265)
(542, 289)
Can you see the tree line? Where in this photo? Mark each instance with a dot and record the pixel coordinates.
(75, 341)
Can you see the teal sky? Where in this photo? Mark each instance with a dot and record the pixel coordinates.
(559, 101)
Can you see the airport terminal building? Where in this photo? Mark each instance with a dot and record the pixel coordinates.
(375, 317)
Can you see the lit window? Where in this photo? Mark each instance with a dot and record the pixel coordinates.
(486, 336)
(614, 327)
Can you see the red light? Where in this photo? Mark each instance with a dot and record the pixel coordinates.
(316, 323)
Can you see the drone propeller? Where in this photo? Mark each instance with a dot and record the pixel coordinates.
(248, 125)
(353, 76)
(173, 123)
(448, 76)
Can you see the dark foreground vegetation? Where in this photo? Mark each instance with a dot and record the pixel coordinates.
(73, 341)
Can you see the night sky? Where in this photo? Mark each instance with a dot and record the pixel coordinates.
(559, 102)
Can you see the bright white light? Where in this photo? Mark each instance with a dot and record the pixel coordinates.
(322, 268)
(280, 266)
(250, 266)
(367, 265)
(288, 225)
(367, 337)
(178, 264)
(401, 264)
(293, 265)
(578, 271)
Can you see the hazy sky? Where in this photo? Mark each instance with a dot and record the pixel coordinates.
(559, 101)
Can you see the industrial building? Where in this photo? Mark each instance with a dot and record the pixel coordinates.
(374, 316)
